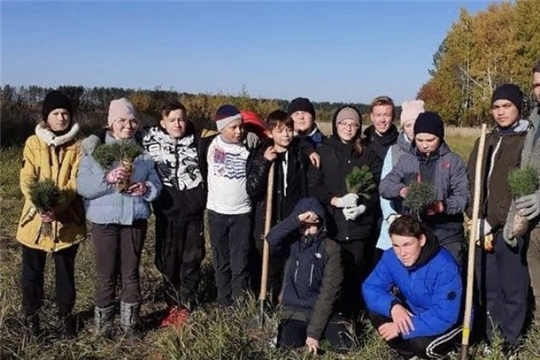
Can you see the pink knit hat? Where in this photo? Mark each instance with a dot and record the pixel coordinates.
(410, 111)
(121, 109)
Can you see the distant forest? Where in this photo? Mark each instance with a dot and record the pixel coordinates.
(21, 107)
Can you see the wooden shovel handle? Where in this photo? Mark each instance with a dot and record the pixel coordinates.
(473, 235)
(267, 223)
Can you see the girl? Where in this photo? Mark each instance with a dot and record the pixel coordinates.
(119, 220)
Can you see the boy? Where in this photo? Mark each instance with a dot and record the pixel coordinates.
(289, 154)
(502, 272)
(312, 282)
(223, 165)
(422, 319)
(302, 112)
(180, 207)
(382, 133)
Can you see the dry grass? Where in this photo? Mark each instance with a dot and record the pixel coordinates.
(210, 333)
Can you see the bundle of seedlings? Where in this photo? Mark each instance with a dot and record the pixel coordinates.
(420, 196)
(46, 196)
(110, 156)
(360, 181)
(522, 182)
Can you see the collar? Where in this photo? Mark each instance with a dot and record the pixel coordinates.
(48, 137)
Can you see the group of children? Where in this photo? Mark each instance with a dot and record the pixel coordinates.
(334, 251)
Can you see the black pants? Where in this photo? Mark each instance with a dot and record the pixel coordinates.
(353, 269)
(33, 267)
(503, 283)
(118, 247)
(230, 240)
(179, 253)
(431, 347)
(292, 334)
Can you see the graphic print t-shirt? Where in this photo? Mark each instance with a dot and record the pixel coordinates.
(227, 178)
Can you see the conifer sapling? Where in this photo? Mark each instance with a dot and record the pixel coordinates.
(360, 181)
(522, 182)
(420, 196)
(122, 154)
(46, 196)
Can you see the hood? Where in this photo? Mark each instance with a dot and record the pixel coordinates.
(310, 204)
(521, 126)
(334, 125)
(386, 139)
(404, 143)
(429, 250)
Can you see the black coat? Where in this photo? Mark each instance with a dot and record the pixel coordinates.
(337, 161)
(283, 202)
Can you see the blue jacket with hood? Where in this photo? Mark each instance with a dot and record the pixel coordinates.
(313, 275)
(431, 289)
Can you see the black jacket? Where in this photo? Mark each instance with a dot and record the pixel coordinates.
(337, 161)
(314, 271)
(378, 143)
(284, 200)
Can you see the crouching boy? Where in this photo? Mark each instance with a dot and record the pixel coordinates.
(414, 293)
(312, 280)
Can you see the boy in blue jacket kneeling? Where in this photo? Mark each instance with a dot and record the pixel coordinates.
(414, 293)
(312, 281)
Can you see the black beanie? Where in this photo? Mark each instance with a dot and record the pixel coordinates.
(56, 100)
(430, 123)
(509, 92)
(301, 104)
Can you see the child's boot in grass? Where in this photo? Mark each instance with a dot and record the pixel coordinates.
(129, 318)
(32, 324)
(103, 318)
(66, 326)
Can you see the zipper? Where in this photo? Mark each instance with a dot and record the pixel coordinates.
(311, 274)
(296, 271)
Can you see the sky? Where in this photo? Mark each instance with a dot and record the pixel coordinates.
(343, 51)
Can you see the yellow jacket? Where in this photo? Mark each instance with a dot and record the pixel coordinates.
(46, 156)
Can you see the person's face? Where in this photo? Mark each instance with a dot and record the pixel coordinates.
(233, 132)
(427, 143)
(381, 118)
(505, 113)
(282, 135)
(124, 129)
(536, 85)
(303, 121)
(59, 119)
(407, 248)
(347, 129)
(408, 129)
(175, 124)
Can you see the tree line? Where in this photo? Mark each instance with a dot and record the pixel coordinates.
(480, 52)
(21, 106)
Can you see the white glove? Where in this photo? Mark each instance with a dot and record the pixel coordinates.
(347, 201)
(483, 228)
(353, 212)
(529, 205)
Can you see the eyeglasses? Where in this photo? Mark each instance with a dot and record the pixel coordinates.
(350, 126)
(125, 122)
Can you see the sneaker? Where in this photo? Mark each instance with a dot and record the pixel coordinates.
(176, 317)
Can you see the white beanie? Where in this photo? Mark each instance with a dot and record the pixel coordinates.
(410, 111)
(121, 109)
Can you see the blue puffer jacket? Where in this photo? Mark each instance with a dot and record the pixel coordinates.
(431, 289)
(103, 204)
(448, 173)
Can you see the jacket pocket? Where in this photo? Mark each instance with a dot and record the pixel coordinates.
(311, 274)
(296, 271)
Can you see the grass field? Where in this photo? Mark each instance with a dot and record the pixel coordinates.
(210, 333)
